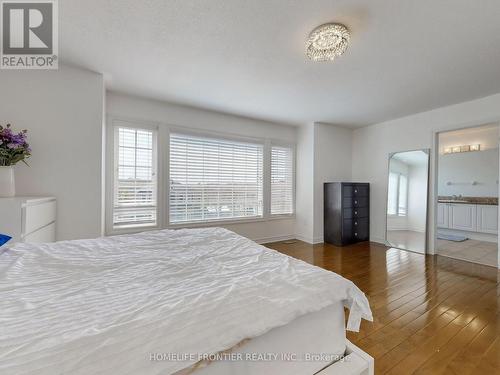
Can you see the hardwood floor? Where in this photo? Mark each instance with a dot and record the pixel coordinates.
(431, 316)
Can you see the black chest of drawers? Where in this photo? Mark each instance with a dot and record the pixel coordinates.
(346, 212)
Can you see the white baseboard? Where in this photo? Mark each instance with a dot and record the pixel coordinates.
(309, 240)
(318, 240)
(418, 230)
(378, 240)
(274, 239)
(304, 238)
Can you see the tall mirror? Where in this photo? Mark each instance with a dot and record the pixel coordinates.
(407, 190)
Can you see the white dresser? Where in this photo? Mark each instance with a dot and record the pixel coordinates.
(28, 219)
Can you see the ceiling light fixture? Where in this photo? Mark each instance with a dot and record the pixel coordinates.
(327, 42)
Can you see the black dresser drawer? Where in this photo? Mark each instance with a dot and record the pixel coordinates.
(355, 229)
(347, 191)
(360, 190)
(354, 201)
(358, 212)
(360, 202)
(355, 190)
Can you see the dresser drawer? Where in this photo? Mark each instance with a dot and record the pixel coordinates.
(355, 229)
(360, 202)
(360, 190)
(347, 190)
(45, 234)
(349, 202)
(356, 212)
(37, 215)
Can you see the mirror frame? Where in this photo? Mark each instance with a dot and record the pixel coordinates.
(427, 151)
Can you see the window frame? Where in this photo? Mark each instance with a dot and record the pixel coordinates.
(163, 131)
(111, 174)
(294, 168)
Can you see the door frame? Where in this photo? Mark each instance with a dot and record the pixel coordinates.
(435, 176)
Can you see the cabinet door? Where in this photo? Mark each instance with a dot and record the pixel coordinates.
(442, 215)
(487, 219)
(463, 217)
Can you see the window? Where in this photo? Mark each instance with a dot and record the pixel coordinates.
(214, 179)
(161, 176)
(135, 185)
(403, 195)
(397, 194)
(281, 180)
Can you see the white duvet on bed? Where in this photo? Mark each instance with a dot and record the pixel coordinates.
(104, 306)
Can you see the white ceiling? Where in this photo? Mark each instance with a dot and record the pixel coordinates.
(247, 57)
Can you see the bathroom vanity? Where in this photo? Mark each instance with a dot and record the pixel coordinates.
(478, 216)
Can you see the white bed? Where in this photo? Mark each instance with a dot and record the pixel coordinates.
(159, 302)
(321, 333)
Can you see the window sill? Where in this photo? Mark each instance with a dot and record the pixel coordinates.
(131, 230)
(204, 224)
(214, 223)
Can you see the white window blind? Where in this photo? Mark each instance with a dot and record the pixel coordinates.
(135, 188)
(392, 195)
(397, 196)
(281, 180)
(403, 195)
(214, 179)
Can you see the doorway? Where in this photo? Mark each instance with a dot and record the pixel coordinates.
(467, 187)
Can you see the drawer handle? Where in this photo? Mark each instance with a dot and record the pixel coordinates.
(355, 212)
(356, 234)
(355, 202)
(355, 223)
(355, 191)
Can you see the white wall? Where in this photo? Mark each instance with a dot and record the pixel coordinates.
(486, 136)
(63, 112)
(458, 171)
(332, 163)
(323, 155)
(372, 145)
(304, 226)
(163, 113)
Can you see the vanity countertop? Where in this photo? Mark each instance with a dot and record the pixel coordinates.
(469, 200)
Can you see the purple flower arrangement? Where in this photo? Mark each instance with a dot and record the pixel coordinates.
(13, 146)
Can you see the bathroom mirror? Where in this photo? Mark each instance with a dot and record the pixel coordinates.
(407, 191)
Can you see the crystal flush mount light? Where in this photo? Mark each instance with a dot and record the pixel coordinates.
(327, 42)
